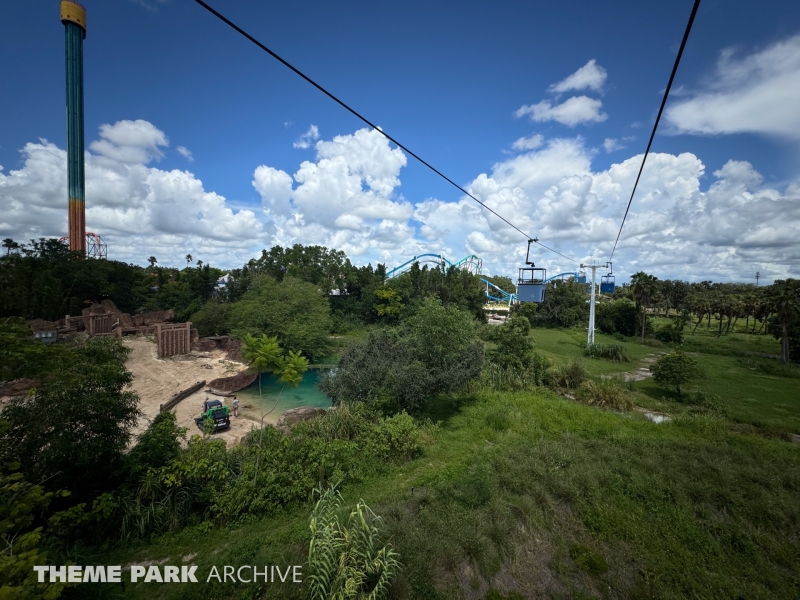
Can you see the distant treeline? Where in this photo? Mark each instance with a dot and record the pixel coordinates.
(45, 280)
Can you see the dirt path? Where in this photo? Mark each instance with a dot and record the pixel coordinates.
(157, 380)
(643, 372)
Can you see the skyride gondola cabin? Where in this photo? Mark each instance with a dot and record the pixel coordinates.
(531, 281)
(607, 284)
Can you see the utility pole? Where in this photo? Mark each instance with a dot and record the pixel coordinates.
(758, 275)
(594, 268)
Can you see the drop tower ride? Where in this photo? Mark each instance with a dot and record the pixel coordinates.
(73, 16)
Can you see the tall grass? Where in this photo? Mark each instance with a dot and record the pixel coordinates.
(605, 393)
(568, 375)
(612, 352)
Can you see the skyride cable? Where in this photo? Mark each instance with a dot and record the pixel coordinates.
(376, 128)
(658, 118)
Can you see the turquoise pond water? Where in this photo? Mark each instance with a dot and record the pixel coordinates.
(305, 394)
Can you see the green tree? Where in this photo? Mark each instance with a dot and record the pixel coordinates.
(644, 288)
(20, 502)
(442, 338)
(618, 316)
(153, 261)
(261, 354)
(564, 305)
(436, 352)
(213, 318)
(388, 303)
(295, 312)
(675, 369)
(513, 345)
(504, 283)
(188, 259)
(10, 245)
(73, 431)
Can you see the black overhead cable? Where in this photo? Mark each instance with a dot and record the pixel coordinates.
(658, 118)
(386, 135)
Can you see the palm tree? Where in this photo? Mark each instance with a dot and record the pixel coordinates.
(188, 259)
(152, 260)
(786, 301)
(10, 245)
(199, 264)
(644, 289)
(260, 353)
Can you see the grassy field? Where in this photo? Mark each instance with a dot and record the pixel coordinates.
(755, 391)
(533, 495)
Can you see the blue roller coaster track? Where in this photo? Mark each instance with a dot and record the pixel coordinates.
(470, 263)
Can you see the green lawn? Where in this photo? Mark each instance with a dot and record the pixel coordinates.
(562, 345)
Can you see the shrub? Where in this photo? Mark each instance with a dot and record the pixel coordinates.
(525, 309)
(605, 393)
(438, 352)
(157, 446)
(672, 333)
(569, 375)
(612, 352)
(496, 378)
(396, 437)
(675, 369)
(708, 402)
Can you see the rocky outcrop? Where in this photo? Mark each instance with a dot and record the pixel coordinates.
(233, 383)
(301, 413)
(231, 345)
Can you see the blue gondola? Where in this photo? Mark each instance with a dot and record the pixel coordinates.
(580, 277)
(531, 281)
(531, 285)
(607, 284)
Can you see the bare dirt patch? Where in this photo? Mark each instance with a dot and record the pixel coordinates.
(643, 372)
(156, 380)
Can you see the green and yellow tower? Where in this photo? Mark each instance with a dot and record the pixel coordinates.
(73, 15)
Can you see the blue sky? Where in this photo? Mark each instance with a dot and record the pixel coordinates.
(444, 78)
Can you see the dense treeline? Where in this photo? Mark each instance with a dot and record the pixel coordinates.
(45, 280)
(773, 309)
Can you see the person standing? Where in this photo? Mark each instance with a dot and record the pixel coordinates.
(235, 406)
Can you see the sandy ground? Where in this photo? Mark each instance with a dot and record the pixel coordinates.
(157, 380)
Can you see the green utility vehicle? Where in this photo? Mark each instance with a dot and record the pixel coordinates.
(217, 412)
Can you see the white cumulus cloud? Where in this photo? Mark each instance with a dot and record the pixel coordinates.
(611, 144)
(571, 112)
(528, 143)
(130, 142)
(185, 152)
(139, 210)
(590, 76)
(348, 197)
(308, 138)
(755, 93)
